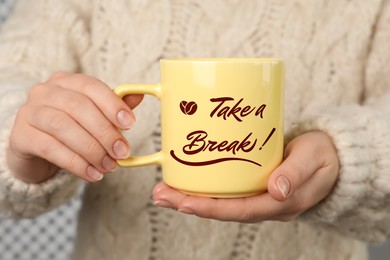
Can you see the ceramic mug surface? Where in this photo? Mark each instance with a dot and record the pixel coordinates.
(222, 124)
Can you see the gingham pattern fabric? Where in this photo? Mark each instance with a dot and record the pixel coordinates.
(5, 8)
(49, 236)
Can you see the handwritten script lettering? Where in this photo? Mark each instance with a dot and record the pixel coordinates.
(222, 150)
(236, 111)
(199, 143)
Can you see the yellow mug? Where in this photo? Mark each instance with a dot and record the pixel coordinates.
(222, 124)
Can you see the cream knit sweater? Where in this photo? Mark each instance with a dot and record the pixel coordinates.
(337, 57)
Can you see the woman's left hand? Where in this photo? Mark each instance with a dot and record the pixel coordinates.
(306, 176)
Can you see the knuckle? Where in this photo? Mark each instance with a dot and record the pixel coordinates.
(246, 217)
(37, 90)
(76, 102)
(106, 129)
(299, 207)
(19, 136)
(56, 122)
(47, 148)
(303, 204)
(16, 143)
(57, 75)
(247, 214)
(88, 83)
(23, 111)
(75, 164)
(94, 149)
(296, 173)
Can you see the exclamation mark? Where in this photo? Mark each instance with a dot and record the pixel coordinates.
(269, 136)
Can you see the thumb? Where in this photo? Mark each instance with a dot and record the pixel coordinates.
(301, 162)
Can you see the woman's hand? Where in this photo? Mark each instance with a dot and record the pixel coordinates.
(70, 121)
(306, 176)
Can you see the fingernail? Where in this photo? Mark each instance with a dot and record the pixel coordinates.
(163, 203)
(121, 149)
(158, 189)
(94, 174)
(186, 211)
(283, 185)
(125, 119)
(109, 164)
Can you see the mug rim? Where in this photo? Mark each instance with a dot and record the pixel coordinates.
(216, 60)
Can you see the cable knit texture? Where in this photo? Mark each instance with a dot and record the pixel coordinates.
(337, 81)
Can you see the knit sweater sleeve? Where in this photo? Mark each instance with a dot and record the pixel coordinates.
(38, 39)
(359, 205)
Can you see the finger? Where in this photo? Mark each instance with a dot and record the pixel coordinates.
(247, 210)
(306, 196)
(303, 159)
(90, 117)
(158, 187)
(165, 196)
(114, 108)
(47, 147)
(64, 128)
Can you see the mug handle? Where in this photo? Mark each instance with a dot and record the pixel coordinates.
(149, 89)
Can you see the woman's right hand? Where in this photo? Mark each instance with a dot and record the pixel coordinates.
(71, 121)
